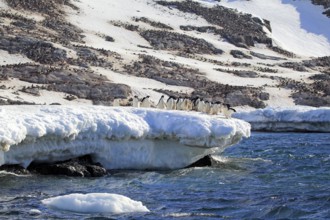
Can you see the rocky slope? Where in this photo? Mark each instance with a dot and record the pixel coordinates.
(221, 54)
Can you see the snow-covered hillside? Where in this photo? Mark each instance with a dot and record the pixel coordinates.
(89, 52)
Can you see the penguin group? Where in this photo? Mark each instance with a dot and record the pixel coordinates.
(183, 104)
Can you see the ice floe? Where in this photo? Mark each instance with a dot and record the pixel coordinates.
(95, 203)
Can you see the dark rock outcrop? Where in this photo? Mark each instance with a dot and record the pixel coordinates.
(164, 40)
(207, 161)
(239, 54)
(265, 57)
(176, 74)
(16, 169)
(318, 62)
(37, 50)
(240, 29)
(79, 167)
(282, 51)
(325, 4)
(82, 83)
(294, 65)
(240, 73)
(153, 23)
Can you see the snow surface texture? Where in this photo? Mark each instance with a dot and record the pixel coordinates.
(95, 203)
(299, 118)
(117, 137)
(286, 26)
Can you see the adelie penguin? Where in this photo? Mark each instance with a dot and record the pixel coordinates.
(136, 102)
(145, 102)
(171, 103)
(179, 104)
(229, 111)
(161, 103)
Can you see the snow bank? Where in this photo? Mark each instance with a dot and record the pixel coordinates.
(298, 118)
(286, 26)
(95, 203)
(117, 137)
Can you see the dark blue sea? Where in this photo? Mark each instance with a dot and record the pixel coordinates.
(268, 176)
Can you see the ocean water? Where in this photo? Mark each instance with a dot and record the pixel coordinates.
(268, 176)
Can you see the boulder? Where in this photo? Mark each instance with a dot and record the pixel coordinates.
(78, 167)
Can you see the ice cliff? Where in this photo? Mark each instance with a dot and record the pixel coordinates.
(117, 137)
(298, 118)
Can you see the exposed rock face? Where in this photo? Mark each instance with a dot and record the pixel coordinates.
(318, 62)
(153, 23)
(327, 13)
(174, 74)
(79, 167)
(164, 40)
(82, 83)
(37, 50)
(240, 73)
(14, 169)
(50, 7)
(325, 4)
(62, 64)
(239, 54)
(54, 17)
(311, 94)
(282, 51)
(239, 29)
(295, 66)
(265, 57)
(66, 31)
(206, 161)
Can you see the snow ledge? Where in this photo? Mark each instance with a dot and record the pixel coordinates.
(289, 119)
(117, 137)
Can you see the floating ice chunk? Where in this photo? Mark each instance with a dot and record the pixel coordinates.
(95, 203)
(34, 212)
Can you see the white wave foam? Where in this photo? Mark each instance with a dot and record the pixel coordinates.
(4, 173)
(95, 203)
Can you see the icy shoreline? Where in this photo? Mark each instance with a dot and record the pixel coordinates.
(118, 138)
(290, 119)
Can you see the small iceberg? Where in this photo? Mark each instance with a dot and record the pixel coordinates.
(298, 118)
(95, 203)
(116, 137)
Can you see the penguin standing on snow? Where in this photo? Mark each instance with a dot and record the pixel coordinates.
(161, 103)
(195, 101)
(214, 109)
(145, 102)
(200, 106)
(179, 104)
(229, 111)
(222, 108)
(207, 107)
(188, 104)
(136, 102)
(171, 103)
